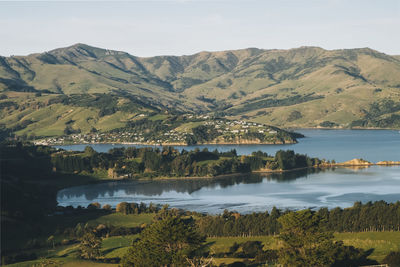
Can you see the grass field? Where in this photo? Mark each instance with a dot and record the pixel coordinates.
(381, 244)
(119, 219)
(222, 244)
(158, 117)
(117, 246)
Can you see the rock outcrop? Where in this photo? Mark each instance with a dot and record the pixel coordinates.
(386, 163)
(355, 162)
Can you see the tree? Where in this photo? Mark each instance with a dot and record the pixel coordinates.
(285, 159)
(79, 230)
(50, 240)
(89, 151)
(152, 160)
(90, 246)
(167, 242)
(305, 241)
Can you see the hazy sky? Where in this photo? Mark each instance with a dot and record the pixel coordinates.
(177, 27)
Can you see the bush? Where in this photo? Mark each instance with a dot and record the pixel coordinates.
(90, 246)
(234, 248)
(121, 231)
(65, 242)
(107, 207)
(18, 257)
(269, 256)
(251, 248)
(328, 124)
(94, 206)
(392, 259)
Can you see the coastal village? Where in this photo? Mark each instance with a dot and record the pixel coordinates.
(227, 129)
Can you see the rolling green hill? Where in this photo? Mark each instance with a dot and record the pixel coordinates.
(302, 87)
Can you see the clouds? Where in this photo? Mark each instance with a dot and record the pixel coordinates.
(148, 28)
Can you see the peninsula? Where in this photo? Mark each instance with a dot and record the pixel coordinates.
(185, 129)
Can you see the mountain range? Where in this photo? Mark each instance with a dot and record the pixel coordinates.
(301, 87)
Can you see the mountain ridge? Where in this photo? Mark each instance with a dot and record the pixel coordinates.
(80, 45)
(298, 87)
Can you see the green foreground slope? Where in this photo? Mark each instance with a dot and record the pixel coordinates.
(36, 231)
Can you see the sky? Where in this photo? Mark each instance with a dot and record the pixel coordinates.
(182, 27)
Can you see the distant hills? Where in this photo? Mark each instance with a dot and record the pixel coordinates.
(302, 87)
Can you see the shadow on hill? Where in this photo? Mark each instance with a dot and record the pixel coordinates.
(28, 198)
(355, 257)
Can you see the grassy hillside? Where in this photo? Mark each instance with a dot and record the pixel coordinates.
(43, 115)
(122, 118)
(302, 87)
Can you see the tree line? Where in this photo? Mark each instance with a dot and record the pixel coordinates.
(376, 216)
(152, 162)
(174, 240)
(369, 217)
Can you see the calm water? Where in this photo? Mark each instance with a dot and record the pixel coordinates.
(248, 193)
(340, 145)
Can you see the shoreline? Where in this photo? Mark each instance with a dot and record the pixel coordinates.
(261, 171)
(41, 142)
(222, 176)
(339, 128)
(164, 144)
(98, 180)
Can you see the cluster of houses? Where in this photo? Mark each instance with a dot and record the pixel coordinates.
(224, 127)
(93, 138)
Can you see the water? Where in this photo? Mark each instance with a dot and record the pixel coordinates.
(256, 192)
(340, 145)
(339, 187)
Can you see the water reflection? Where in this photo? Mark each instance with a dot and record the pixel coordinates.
(157, 188)
(249, 192)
